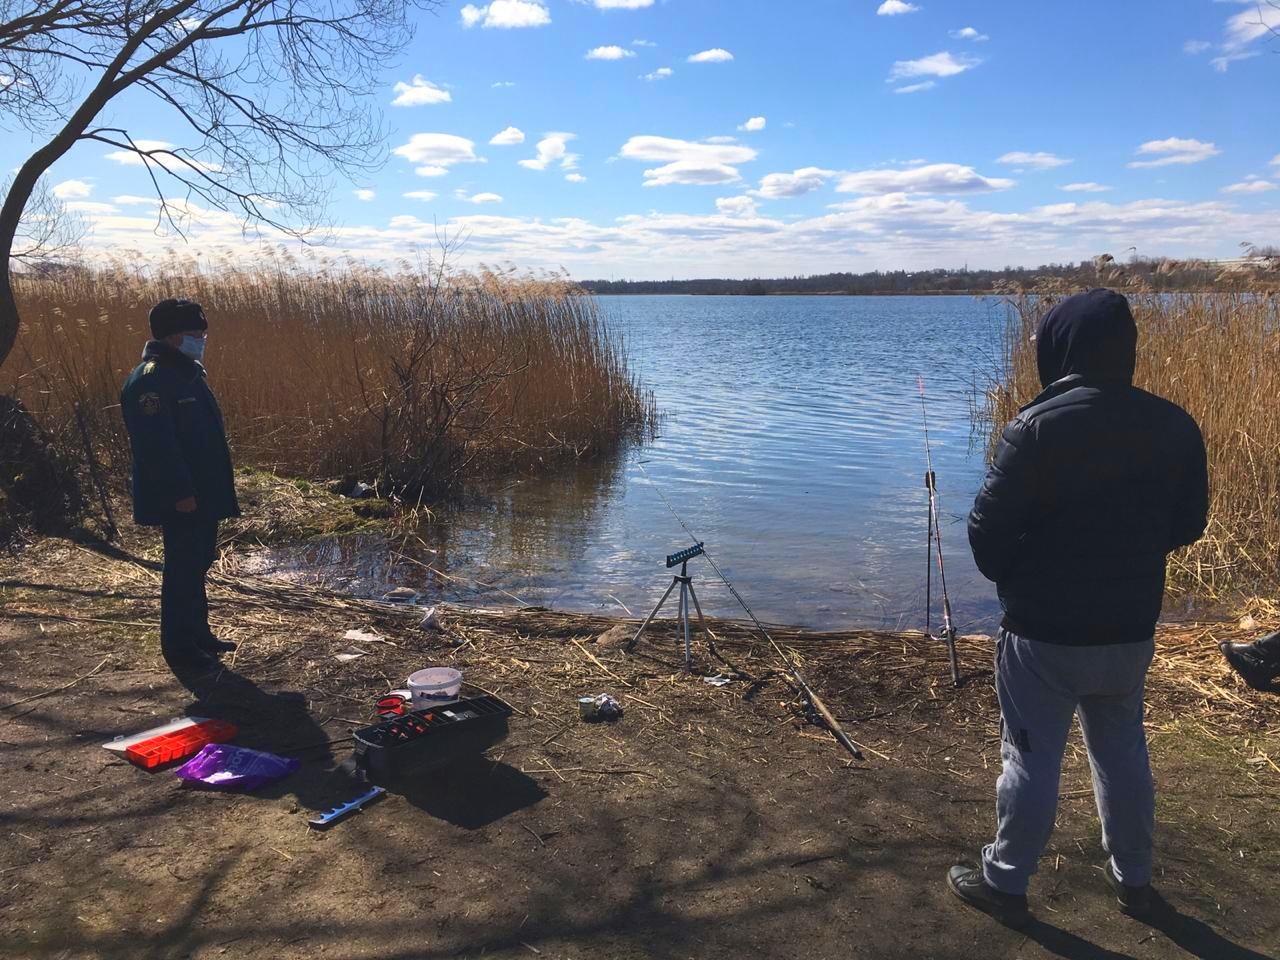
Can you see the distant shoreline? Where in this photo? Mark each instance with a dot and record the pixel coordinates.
(818, 293)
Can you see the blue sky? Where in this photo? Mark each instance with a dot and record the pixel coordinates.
(660, 138)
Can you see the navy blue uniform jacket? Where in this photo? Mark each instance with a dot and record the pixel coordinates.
(1092, 484)
(178, 438)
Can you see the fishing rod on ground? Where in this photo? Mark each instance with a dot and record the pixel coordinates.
(814, 701)
(933, 544)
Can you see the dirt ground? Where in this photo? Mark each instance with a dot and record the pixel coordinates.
(707, 822)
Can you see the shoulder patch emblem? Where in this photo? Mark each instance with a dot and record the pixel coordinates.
(149, 367)
(149, 404)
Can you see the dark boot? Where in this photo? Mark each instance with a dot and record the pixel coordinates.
(1258, 663)
(969, 885)
(212, 645)
(1134, 901)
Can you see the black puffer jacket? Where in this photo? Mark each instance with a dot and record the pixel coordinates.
(1093, 483)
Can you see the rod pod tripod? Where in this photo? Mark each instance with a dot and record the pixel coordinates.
(934, 546)
(685, 583)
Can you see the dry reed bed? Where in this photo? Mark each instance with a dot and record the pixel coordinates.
(1218, 356)
(421, 378)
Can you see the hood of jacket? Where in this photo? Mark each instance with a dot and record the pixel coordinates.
(1090, 335)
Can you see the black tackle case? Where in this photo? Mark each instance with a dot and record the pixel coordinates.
(424, 741)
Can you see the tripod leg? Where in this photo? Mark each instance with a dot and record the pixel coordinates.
(684, 620)
(702, 624)
(649, 619)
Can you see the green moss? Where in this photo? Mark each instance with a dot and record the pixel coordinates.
(279, 510)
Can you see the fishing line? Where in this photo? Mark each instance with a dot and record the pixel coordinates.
(814, 700)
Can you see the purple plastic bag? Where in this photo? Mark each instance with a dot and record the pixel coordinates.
(224, 765)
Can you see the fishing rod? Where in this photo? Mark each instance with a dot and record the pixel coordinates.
(814, 701)
(933, 543)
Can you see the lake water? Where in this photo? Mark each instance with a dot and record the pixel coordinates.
(791, 443)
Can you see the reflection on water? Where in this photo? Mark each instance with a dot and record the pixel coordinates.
(792, 445)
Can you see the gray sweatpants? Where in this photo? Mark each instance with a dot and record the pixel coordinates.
(1040, 687)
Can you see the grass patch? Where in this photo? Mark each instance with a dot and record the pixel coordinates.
(279, 510)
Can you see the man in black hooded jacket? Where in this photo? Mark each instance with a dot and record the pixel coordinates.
(1092, 485)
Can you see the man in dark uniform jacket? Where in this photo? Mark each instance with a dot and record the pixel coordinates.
(1092, 485)
(182, 477)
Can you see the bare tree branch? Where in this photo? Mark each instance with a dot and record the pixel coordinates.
(272, 94)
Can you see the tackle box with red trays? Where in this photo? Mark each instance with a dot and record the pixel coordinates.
(174, 741)
(422, 741)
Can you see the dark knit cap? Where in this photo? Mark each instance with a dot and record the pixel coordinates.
(176, 316)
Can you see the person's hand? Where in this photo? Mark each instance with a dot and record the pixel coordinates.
(187, 505)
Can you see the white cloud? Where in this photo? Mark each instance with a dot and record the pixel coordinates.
(553, 148)
(687, 162)
(1174, 150)
(88, 206)
(1222, 63)
(942, 64)
(660, 74)
(1250, 186)
(508, 137)
(612, 52)
(1037, 161)
(643, 43)
(622, 4)
(714, 55)
(1242, 30)
(720, 138)
(575, 178)
(1088, 187)
(418, 93)
(129, 200)
(1275, 161)
(968, 33)
(691, 172)
(436, 152)
(1260, 20)
(1194, 47)
(753, 124)
(184, 165)
(895, 8)
(485, 198)
(864, 233)
(931, 178)
(364, 195)
(805, 180)
(916, 87)
(72, 190)
(426, 196)
(501, 84)
(506, 14)
(736, 206)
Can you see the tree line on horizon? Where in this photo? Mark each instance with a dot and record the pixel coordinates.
(1158, 274)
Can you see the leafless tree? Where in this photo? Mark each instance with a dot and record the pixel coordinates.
(272, 94)
(48, 232)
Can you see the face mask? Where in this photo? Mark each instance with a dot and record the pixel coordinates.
(193, 347)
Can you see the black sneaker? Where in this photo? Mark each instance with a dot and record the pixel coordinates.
(1258, 670)
(1134, 901)
(969, 885)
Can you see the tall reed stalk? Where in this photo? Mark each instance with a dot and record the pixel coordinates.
(422, 378)
(1218, 356)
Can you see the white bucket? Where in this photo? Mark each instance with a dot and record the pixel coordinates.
(434, 687)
